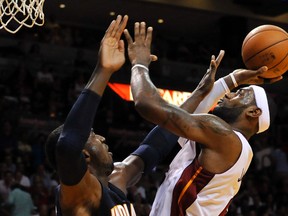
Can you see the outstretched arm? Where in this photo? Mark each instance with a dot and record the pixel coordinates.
(71, 164)
(159, 142)
(147, 100)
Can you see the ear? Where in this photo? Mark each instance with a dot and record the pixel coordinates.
(253, 112)
(86, 155)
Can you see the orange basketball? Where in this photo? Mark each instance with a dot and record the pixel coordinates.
(266, 45)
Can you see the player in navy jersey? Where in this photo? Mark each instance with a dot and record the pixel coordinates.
(207, 172)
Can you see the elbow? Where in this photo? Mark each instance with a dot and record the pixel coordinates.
(61, 149)
(66, 148)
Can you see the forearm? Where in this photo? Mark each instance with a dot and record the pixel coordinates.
(193, 101)
(217, 92)
(155, 147)
(144, 91)
(99, 80)
(159, 142)
(82, 113)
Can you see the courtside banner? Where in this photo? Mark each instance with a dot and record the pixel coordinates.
(171, 96)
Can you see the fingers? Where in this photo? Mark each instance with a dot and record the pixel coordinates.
(142, 31)
(220, 57)
(153, 58)
(212, 64)
(216, 62)
(121, 46)
(275, 79)
(263, 69)
(136, 30)
(128, 37)
(120, 27)
(110, 29)
(141, 34)
(149, 36)
(116, 27)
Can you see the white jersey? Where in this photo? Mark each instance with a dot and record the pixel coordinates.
(190, 190)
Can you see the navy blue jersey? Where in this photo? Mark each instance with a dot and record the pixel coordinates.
(113, 203)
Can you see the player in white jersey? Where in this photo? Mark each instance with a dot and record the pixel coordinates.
(204, 192)
(204, 181)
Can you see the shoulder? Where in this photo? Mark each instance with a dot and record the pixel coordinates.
(82, 191)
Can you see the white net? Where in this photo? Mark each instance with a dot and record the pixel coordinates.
(17, 13)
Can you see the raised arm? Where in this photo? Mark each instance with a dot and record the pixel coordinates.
(147, 100)
(159, 142)
(71, 163)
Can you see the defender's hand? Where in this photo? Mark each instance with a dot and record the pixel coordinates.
(112, 51)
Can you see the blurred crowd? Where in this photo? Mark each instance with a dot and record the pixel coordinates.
(35, 97)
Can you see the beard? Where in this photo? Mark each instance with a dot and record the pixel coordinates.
(108, 168)
(229, 115)
(103, 167)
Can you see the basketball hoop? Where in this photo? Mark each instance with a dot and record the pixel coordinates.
(17, 13)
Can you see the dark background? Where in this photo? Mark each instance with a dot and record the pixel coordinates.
(65, 50)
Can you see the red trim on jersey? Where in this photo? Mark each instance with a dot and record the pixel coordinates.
(193, 179)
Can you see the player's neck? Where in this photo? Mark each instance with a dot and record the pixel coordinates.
(100, 174)
(103, 180)
(246, 133)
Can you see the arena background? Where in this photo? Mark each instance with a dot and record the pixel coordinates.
(43, 69)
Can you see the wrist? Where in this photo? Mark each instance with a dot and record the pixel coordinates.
(224, 85)
(233, 79)
(99, 68)
(140, 66)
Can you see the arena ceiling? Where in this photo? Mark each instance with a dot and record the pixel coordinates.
(180, 16)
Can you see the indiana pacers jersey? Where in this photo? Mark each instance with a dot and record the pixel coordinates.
(113, 203)
(193, 191)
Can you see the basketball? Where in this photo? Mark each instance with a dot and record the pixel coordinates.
(266, 45)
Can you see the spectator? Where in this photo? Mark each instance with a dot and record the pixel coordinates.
(5, 186)
(280, 161)
(20, 202)
(22, 180)
(40, 195)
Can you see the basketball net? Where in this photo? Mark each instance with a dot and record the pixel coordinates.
(17, 13)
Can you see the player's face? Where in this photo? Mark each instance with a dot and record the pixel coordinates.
(101, 158)
(230, 107)
(242, 97)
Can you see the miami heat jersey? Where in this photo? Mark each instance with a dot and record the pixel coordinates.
(189, 189)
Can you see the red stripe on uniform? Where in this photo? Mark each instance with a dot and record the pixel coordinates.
(192, 180)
